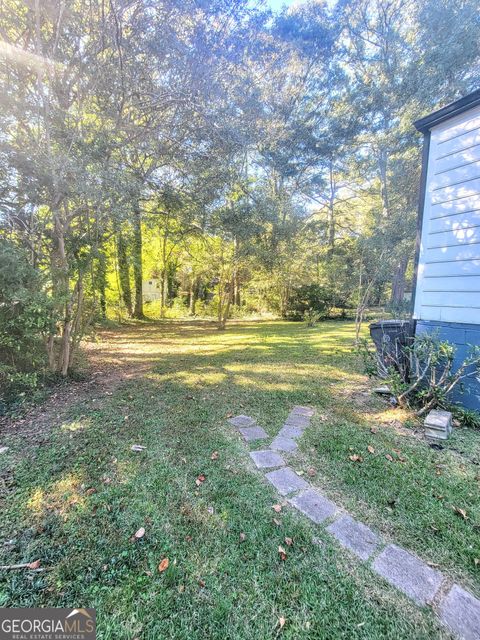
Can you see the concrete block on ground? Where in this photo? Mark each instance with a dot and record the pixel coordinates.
(408, 573)
(354, 535)
(267, 459)
(303, 411)
(242, 421)
(297, 421)
(461, 612)
(289, 431)
(281, 443)
(438, 425)
(253, 433)
(286, 481)
(314, 505)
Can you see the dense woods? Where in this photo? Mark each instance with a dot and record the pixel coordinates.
(241, 161)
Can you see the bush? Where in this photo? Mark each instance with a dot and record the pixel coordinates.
(424, 376)
(25, 319)
(311, 298)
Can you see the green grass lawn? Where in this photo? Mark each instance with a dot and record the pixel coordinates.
(78, 503)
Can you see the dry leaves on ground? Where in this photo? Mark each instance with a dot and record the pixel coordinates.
(201, 478)
(461, 512)
(277, 508)
(163, 565)
(282, 553)
(355, 458)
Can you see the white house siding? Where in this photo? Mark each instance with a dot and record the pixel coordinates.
(448, 283)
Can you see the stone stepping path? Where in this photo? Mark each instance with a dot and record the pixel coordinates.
(297, 421)
(457, 608)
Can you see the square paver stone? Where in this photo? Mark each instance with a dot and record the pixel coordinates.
(242, 421)
(461, 612)
(290, 431)
(408, 573)
(280, 443)
(286, 481)
(303, 411)
(314, 505)
(266, 459)
(297, 421)
(253, 433)
(355, 536)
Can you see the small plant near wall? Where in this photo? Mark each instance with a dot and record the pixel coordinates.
(425, 372)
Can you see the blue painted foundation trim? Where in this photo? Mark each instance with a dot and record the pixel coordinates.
(461, 335)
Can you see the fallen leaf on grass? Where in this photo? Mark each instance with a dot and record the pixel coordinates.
(476, 561)
(139, 534)
(370, 449)
(389, 457)
(461, 512)
(288, 541)
(277, 522)
(163, 565)
(214, 455)
(277, 508)
(181, 588)
(373, 430)
(282, 552)
(200, 479)
(137, 447)
(34, 565)
(90, 491)
(242, 537)
(311, 472)
(281, 622)
(229, 415)
(355, 458)
(201, 583)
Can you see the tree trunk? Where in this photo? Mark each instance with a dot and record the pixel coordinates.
(124, 273)
(102, 284)
(398, 283)
(193, 294)
(137, 263)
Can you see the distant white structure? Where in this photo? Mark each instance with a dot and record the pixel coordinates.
(151, 290)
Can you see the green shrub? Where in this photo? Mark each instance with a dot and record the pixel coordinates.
(25, 320)
(308, 298)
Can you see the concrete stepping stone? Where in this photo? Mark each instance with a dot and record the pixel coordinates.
(314, 505)
(303, 411)
(354, 536)
(408, 573)
(242, 421)
(289, 431)
(286, 481)
(253, 433)
(284, 444)
(297, 421)
(266, 459)
(461, 612)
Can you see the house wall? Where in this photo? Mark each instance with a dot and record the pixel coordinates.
(461, 335)
(447, 297)
(448, 281)
(151, 290)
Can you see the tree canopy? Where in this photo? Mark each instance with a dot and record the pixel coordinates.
(236, 158)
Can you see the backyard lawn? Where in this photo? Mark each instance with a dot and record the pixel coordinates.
(76, 501)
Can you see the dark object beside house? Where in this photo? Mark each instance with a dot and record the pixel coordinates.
(390, 337)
